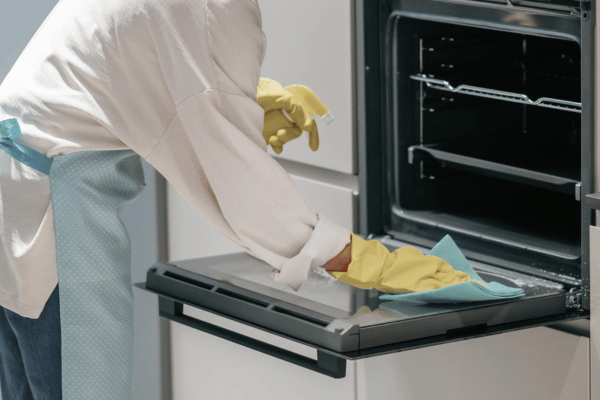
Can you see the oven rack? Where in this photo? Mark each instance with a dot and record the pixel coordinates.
(562, 181)
(546, 102)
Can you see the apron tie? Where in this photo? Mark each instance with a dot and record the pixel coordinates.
(9, 131)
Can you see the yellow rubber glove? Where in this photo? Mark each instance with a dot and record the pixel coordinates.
(405, 270)
(298, 102)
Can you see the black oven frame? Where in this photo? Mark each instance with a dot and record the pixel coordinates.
(374, 97)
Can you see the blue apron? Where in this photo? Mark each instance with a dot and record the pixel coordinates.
(94, 263)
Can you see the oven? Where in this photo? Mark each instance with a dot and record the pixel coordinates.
(474, 119)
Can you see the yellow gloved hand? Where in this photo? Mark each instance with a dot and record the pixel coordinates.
(298, 102)
(405, 270)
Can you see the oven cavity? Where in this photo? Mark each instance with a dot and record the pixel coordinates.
(485, 139)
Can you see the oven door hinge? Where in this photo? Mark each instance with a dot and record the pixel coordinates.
(574, 297)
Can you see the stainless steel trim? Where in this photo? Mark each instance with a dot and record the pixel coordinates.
(594, 201)
(355, 213)
(570, 11)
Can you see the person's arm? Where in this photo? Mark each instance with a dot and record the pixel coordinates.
(340, 262)
(214, 154)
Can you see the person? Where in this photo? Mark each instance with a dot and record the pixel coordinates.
(101, 85)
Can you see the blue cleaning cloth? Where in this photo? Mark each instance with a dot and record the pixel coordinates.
(463, 292)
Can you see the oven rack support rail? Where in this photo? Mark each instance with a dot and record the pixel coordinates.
(499, 94)
(497, 170)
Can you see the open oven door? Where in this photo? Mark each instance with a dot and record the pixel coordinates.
(340, 321)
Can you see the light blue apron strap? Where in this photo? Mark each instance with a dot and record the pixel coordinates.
(9, 131)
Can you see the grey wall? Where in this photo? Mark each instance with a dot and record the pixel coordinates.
(20, 20)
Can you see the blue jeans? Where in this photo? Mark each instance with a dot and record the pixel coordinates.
(30, 354)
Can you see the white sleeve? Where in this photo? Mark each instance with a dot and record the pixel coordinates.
(214, 154)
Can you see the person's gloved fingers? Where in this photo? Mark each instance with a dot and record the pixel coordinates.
(283, 136)
(274, 141)
(313, 138)
(279, 101)
(305, 122)
(275, 122)
(309, 99)
(277, 149)
(300, 116)
(367, 260)
(272, 101)
(286, 135)
(271, 95)
(311, 104)
(407, 268)
(449, 275)
(481, 283)
(451, 278)
(428, 282)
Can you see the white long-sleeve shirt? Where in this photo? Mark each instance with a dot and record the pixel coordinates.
(175, 81)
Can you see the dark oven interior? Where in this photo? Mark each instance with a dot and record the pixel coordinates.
(474, 161)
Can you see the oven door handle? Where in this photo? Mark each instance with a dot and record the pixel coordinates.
(326, 364)
(593, 201)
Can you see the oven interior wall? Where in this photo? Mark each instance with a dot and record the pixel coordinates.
(525, 219)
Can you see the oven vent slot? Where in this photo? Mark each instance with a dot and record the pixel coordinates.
(498, 94)
(299, 316)
(241, 297)
(188, 280)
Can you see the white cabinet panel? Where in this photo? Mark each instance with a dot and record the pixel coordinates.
(334, 202)
(207, 367)
(309, 43)
(191, 236)
(533, 364)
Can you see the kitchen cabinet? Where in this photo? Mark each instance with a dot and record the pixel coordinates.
(533, 364)
(190, 236)
(319, 55)
(205, 366)
(310, 43)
